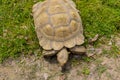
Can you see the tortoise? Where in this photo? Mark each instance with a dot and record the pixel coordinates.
(59, 28)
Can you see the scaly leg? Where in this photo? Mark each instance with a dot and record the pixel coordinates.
(78, 50)
(49, 52)
(62, 57)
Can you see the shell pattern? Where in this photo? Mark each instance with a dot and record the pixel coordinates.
(57, 24)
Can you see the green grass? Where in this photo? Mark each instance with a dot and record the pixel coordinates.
(100, 16)
(86, 71)
(17, 34)
(101, 69)
(114, 52)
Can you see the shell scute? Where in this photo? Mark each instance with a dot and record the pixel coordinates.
(60, 19)
(74, 26)
(48, 30)
(54, 9)
(42, 19)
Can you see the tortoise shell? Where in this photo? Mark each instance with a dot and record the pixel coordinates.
(57, 24)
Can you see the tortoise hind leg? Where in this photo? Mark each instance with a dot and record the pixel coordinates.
(78, 50)
(49, 52)
(62, 56)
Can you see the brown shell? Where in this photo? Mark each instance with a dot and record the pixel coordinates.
(57, 24)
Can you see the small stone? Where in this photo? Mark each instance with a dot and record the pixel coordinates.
(92, 51)
(94, 39)
(46, 76)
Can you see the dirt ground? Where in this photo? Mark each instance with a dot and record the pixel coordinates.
(97, 67)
